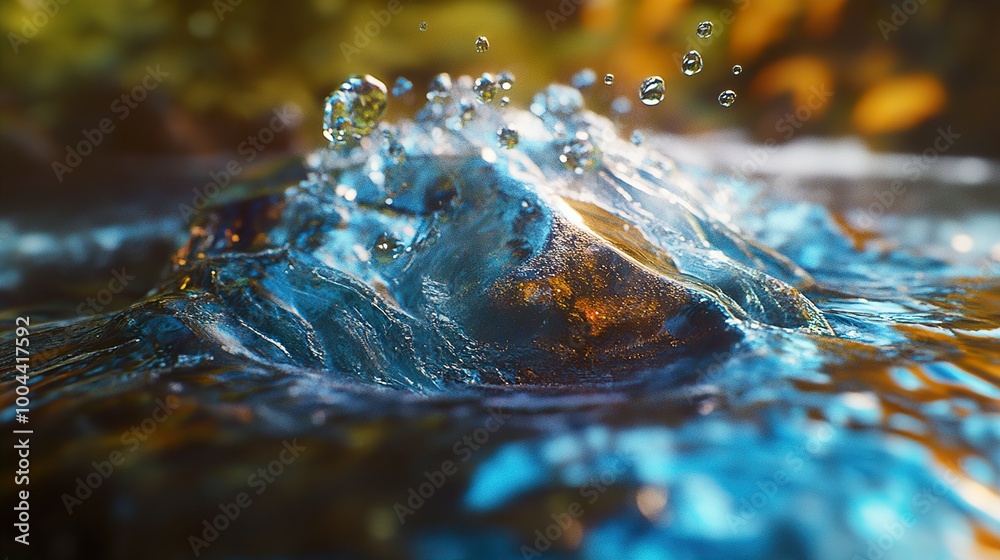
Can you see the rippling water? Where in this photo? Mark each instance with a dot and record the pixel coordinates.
(617, 357)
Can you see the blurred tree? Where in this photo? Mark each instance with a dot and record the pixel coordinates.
(897, 71)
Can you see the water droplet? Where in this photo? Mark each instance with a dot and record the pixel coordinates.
(561, 101)
(482, 44)
(651, 90)
(508, 137)
(705, 29)
(621, 105)
(580, 154)
(559, 130)
(402, 87)
(504, 101)
(354, 110)
(692, 63)
(609, 79)
(637, 137)
(485, 87)
(387, 247)
(737, 70)
(467, 110)
(394, 150)
(440, 88)
(423, 26)
(584, 78)
(727, 98)
(506, 80)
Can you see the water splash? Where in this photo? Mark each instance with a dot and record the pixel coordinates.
(439, 90)
(637, 321)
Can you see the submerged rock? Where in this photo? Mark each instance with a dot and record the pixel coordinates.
(425, 256)
(505, 266)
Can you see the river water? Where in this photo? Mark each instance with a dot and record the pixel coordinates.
(566, 346)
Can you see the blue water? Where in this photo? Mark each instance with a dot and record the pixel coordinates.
(620, 358)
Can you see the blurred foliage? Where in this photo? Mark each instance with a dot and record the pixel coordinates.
(231, 62)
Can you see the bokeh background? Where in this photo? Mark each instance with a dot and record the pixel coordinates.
(232, 62)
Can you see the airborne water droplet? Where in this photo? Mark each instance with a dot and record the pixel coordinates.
(387, 247)
(485, 87)
(621, 105)
(705, 29)
(692, 63)
(584, 78)
(504, 101)
(580, 154)
(396, 152)
(558, 100)
(402, 87)
(482, 44)
(354, 110)
(393, 150)
(440, 88)
(508, 137)
(423, 26)
(637, 137)
(609, 79)
(467, 110)
(506, 80)
(727, 98)
(651, 90)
